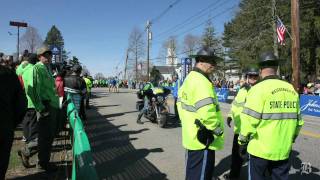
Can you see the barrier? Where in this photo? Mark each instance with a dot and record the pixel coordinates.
(310, 105)
(82, 164)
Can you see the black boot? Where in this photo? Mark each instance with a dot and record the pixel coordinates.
(139, 118)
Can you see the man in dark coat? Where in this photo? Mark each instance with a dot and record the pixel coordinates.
(13, 105)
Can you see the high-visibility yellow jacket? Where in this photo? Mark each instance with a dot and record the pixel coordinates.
(237, 107)
(198, 100)
(88, 84)
(272, 119)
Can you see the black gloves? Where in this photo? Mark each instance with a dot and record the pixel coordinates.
(243, 151)
(229, 119)
(204, 135)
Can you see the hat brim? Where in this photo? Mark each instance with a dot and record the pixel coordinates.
(207, 59)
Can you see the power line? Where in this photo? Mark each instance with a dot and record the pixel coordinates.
(197, 15)
(199, 25)
(165, 11)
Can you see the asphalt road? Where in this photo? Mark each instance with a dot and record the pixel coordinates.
(123, 149)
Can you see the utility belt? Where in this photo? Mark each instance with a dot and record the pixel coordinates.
(206, 136)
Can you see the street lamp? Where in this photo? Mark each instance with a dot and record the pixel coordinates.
(18, 25)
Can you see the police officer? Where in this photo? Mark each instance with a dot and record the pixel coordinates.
(201, 119)
(252, 76)
(146, 91)
(272, 122)
(89, 87)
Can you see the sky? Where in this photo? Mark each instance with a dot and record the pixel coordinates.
(97, 31)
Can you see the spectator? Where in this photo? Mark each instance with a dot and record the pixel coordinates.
(14, 104)
(317, 87)
(47, 104)
(75, 86)
(29, 123)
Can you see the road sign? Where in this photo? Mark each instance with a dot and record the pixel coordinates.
(19, 24)
(55, 50)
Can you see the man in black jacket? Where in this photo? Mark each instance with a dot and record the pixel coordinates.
(76, 87)
(13, 105)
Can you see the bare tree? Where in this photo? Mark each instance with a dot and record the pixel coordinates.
(31, 39)
(99, 76)
(170, 48)
(85, 70)
(136, 48)
(190, 44)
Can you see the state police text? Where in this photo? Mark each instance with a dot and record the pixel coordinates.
(283, 104)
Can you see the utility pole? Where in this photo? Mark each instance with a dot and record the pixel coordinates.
(149, 37)
(275, 37)
(295, 44)
(18, 25)
(125, 67)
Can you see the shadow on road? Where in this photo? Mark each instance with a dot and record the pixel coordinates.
(172, 122)
(113, 153)
(303, 170)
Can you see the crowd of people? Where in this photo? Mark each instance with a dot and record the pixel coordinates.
(35, 96)
(312, 88)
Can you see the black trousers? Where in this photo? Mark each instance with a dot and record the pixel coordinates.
(279, 170)
(200, 164)
(6, 139)
(46, 129)
(29, 124)
(236, 160)
(176, 108)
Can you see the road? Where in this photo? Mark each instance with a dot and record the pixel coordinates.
(123, 149)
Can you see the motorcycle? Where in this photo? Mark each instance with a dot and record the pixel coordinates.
(158, 110)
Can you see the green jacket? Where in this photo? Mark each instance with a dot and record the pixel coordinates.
(272, 119)
(237, 107)
(25, 70)
(198, 100)
(44, 87)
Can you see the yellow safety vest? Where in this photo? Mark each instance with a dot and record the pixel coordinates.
(198, 100)
(237, 107)
(272, 119)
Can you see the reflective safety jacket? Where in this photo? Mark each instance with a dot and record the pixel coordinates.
(198, 100)
(88, 84)
(272, 119)
(237, 107)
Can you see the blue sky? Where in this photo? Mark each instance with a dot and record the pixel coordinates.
(97, 31)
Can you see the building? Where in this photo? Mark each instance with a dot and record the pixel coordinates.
(166, 71)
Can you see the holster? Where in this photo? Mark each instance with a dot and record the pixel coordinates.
(204, 135)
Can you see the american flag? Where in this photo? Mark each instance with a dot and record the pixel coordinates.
(281, 30)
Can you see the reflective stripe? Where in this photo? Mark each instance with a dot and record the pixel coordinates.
(252, 113)
(188, 107)
(218, 131)
(279, 116)
(238, 104)
(199, 104)
(204, 164)
(204, 102)
(270, 116)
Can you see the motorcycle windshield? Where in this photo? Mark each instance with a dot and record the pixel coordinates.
(157, 91)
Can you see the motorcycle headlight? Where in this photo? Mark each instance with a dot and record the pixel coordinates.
(160, 99)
